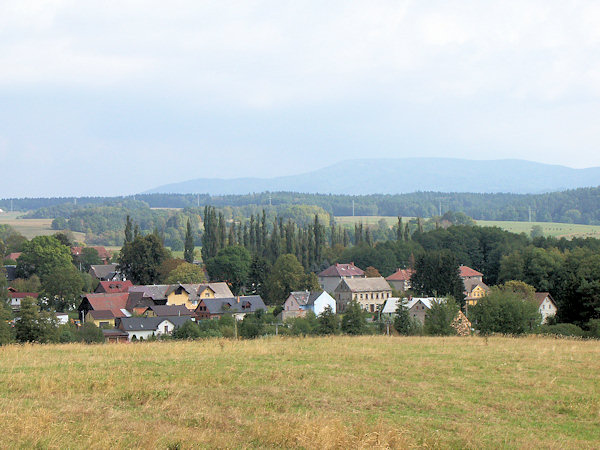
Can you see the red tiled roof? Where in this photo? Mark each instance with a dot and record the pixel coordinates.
(102, 252)
(401, 275)
(114, 287)
(342, 270)
(112, 302)
(468, 272)
(23, 294)
(14, 256)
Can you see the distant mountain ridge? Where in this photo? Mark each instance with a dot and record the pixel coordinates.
(397, 176)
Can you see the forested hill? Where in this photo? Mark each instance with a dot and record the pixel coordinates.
(403, 175)
(572, 206)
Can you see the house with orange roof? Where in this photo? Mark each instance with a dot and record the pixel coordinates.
(400, 279)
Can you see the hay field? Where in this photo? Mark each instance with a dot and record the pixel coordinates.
(340, 392)
(567, 230)
(31, 228)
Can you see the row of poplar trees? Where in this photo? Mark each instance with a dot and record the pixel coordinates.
(267, 240)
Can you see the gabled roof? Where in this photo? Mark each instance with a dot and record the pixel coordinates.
(103, 271)
(342, 270)
(365, 284)
(114, 287)
(148, 323)
(116, 303)
(306, 298)
(392, 303)
(13, 256)
(221, 289)
(242, 304)
(401, 275)
(102, 315)
(13, 294)
(541, 296)
(472, 284)
(153, 291)
(170, 310)
(466, 271)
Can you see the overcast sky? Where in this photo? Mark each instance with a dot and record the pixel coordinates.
(115, 97)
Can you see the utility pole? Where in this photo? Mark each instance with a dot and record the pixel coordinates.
(352, 208)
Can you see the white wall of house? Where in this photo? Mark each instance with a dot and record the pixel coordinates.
(145, 334)
(324, 300)
(547, 309)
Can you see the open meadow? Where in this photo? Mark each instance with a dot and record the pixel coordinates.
(337, 392)
(567, 230)
(31, 228)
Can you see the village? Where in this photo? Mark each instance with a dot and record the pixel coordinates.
(126, 312)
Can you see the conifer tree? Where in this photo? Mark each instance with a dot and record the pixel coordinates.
(400, 230)
(128, 230)
(188, 249)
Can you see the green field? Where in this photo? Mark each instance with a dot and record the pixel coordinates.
(339, 392)
(567, 230)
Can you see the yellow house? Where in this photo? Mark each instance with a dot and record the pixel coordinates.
(102, 319)
(474, 292)
(188, 295)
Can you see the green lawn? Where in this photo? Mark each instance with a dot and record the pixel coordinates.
(340, 392)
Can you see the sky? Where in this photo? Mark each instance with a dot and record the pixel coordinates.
(116, 97)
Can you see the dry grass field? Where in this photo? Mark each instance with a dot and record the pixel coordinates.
(31, 228)
(342, 392)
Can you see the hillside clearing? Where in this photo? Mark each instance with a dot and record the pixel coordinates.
(335, 392)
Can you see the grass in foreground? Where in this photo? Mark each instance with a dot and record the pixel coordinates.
(313, 393)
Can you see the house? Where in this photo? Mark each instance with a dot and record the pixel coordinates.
(168, 311)
(15, 298)
(152, 294)
(546, 305)
(212, 308)
(13, 256)
(102, 318)
(474, 290)
(370, 293)
(11, 272)
(468, 274)
(417, 306)
(115, 336)
(113, 287)
(103, 254)
(190, 294)
(62, 318)
(146, 327)
(331, 277)
(105, 272)
(115, 303)
(299, 302)
(400, 280)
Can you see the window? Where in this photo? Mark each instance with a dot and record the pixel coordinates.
(166, 329)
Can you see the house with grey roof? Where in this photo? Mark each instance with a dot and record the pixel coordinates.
(370, 293)
(211, 308)
(146, 327)
(106, 272)
(417, 306)
(299, 302)
(330, 278)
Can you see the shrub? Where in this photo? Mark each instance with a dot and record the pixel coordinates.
(562, 329)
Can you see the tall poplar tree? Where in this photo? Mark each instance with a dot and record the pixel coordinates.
(188, 249)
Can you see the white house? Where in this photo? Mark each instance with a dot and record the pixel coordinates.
(299, 302)
(546, 305)
(146, 327)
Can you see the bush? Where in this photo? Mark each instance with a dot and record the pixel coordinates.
(438, 319)
(562, 329)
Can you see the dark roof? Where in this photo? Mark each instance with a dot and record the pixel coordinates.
(243, 304)
(103, 271)
(149, 323)
(306, 298)
(170, 310)
(11, 272)
(14, 294)
(153, 291)
(114, 333)
(102, 314)
(342, 270)
(541, 296)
